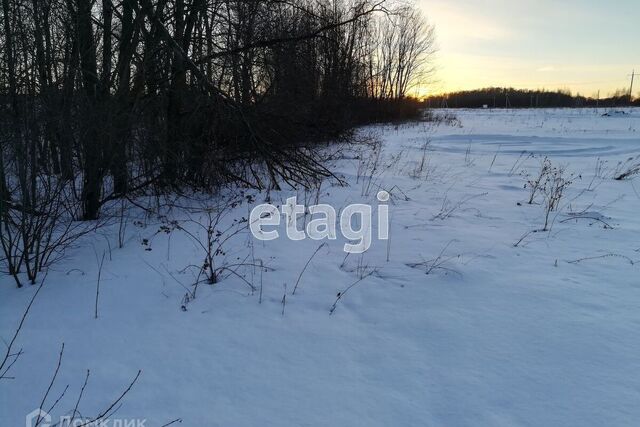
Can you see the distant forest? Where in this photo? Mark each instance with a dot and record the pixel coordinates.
(496, 97)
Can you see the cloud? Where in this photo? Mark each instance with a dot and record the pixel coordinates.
(546, 68)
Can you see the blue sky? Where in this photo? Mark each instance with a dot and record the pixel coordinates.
(581, 45)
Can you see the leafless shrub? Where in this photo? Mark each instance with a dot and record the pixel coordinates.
(210, 236)
(421, 170)
(537, 183)
(598, 173)
(448, 119)
(36, 232)
(554, 191)
(369, 166)
(210, 229)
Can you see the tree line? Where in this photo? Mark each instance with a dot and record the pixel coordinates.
(496, 97)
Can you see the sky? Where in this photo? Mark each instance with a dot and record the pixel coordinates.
(581, 45)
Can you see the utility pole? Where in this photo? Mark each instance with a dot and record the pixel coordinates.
(633, 74)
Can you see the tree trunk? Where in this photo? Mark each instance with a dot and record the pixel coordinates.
(92, 184)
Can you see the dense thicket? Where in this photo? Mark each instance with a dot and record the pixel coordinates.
(109, 99)
(102, 98)
(523, 98)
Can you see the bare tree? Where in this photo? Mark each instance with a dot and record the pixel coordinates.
(100, 100)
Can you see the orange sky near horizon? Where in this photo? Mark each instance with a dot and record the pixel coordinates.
(585, 46)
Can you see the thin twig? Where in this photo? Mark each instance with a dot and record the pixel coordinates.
(75, 408)
(342, 294)
(105, 412)
(305, 267)
(576, 261)
(606, 224)
(55, 374)
(98, 285)
(177, 420)
(15, 335)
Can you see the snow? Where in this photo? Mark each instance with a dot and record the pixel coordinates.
(542, 333)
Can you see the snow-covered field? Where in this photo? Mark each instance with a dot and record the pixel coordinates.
(510, 327)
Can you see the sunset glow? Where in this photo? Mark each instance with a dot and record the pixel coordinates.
(585, 46)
